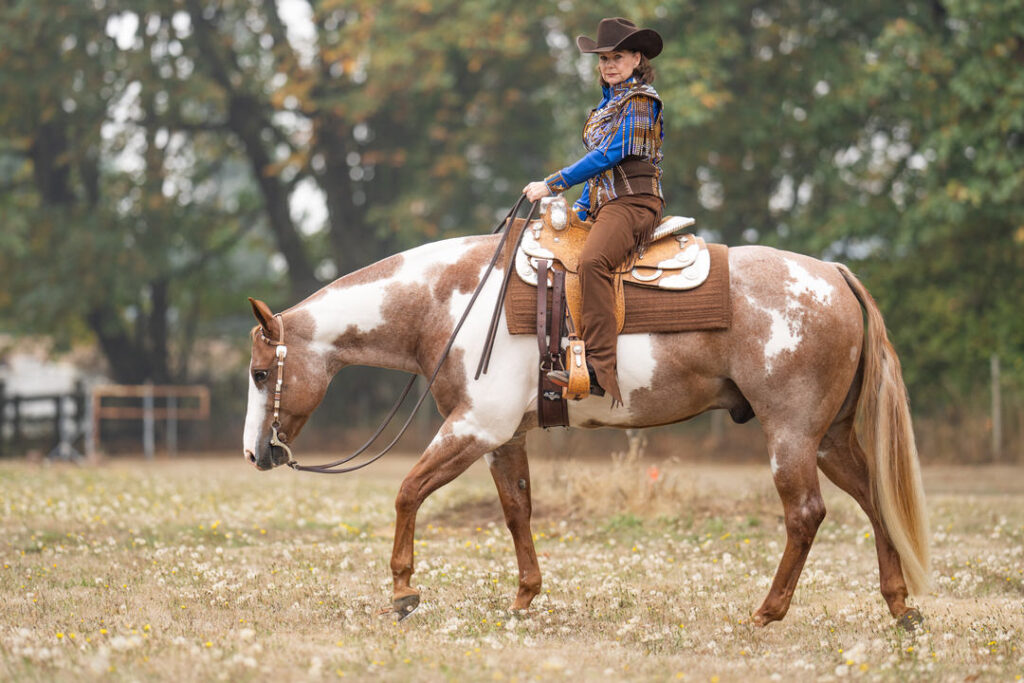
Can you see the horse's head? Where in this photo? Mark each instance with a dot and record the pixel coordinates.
(287, 381)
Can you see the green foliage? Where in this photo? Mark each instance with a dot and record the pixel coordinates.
(153, 155)
(114, 222)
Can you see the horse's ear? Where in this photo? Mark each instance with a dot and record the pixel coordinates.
(265, 317)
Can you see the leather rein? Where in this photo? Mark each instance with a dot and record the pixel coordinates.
(338, 466)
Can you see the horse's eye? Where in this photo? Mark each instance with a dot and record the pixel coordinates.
(259, 375)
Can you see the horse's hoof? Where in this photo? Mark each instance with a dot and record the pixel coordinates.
(910, 620)
(406, 605)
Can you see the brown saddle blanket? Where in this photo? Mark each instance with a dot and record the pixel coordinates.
(706, 307)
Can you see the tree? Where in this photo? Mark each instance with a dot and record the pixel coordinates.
(113, 217)
(155, 156)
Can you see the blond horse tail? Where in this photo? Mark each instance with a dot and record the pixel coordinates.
(885, 432)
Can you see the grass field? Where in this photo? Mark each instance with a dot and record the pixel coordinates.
(208, 570)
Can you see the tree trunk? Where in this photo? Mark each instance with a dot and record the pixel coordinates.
(156, 333)
(351, 245)
(128, 363)
(50, 168)
(248, 119)
(245, 120)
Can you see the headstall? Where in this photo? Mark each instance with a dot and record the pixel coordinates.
(281, 351)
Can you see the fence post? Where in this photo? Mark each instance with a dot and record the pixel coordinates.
(997, 410)
(78, 400)
(148, 441)
(94, 415)
(90, 425)
(16, 434)
(58, 451)
(3, 416)
(717, 427)
(172, 426)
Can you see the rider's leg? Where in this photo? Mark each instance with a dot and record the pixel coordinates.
(612, 238)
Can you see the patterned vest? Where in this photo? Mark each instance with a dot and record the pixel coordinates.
(640, 170)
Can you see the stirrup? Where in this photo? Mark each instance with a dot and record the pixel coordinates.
(561, 378)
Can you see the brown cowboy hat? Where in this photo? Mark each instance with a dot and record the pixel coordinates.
(617, 33)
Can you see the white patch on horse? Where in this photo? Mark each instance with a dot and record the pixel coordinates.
(636, 371)
(773, 463)
(786, 325)
(636, 363)
(783, 332)
(822, 455)
(500, 398)
(803, 282)
(254, 415)
(484, 431)
(340, 308)
(853, 353)
(360, 306)
(421, 259)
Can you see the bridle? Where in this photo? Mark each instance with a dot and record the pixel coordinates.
(281, 352)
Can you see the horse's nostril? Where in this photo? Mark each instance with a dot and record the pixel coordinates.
(252, 456)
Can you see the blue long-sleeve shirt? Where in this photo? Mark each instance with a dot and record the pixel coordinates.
(626, 123)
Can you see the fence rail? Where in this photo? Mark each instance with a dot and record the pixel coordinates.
(59, 419)
(158, 402)
(68, 424)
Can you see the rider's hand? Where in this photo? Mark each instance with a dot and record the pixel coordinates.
(536, 190)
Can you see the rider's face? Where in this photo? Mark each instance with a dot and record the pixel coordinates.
(618, 66)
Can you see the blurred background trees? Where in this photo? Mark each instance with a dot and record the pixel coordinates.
(161, 160)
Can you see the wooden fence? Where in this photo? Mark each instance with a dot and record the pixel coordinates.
(68, 426)
(148, 403)
(58, 423)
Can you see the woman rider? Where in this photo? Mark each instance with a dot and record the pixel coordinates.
(623, 174)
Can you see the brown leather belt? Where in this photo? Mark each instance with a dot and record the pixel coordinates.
(552, 409)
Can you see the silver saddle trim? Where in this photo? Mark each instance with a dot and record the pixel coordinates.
(528, 253)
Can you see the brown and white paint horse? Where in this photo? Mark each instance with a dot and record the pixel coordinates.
(798, 355)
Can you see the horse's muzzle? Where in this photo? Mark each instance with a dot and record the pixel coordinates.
(267, 457)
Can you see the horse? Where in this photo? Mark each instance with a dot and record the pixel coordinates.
(806, 353)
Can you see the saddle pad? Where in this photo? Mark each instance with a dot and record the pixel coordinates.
(705, 307)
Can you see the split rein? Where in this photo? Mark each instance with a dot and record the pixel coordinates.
(338, 466)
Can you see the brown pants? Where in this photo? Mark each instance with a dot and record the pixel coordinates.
(612, 238)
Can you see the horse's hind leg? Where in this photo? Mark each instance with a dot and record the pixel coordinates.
(796, 479)
(843, 462)
(511, 474)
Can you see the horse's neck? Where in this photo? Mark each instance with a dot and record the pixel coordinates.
(389, 314)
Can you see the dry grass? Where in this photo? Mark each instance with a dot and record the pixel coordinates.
(207, 570)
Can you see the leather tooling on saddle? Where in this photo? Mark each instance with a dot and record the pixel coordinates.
(672, 261)
(679, 283)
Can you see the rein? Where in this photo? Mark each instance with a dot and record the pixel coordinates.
(337, 467)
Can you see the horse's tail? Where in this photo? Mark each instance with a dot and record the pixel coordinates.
(887, 437)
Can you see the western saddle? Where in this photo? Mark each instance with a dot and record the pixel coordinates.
(672, 261)
(548, 257)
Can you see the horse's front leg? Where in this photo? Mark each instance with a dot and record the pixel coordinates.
(446, 457)
(511, 474)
